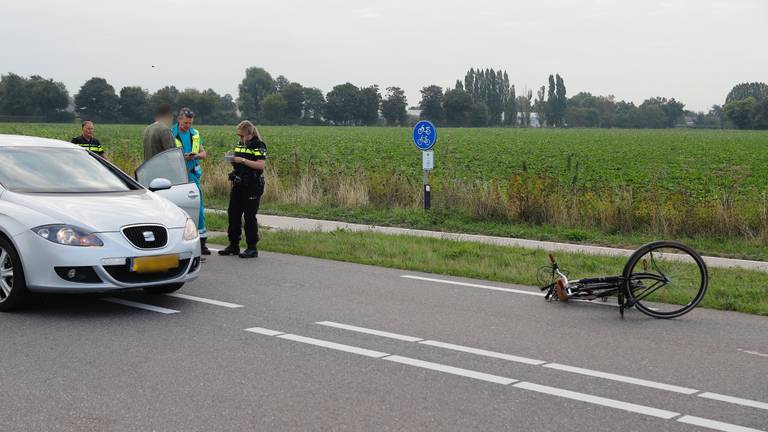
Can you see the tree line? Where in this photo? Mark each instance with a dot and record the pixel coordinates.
(484, 97)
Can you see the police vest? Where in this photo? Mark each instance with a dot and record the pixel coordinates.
(96, 148)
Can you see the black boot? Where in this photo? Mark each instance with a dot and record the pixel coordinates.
(232, 249)
(203, 248)
(250, 252)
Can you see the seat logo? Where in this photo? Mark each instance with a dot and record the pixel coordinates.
(148, 236)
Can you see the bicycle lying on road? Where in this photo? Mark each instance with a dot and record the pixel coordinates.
(662, 279)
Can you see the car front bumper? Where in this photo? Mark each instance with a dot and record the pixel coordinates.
(40, 259)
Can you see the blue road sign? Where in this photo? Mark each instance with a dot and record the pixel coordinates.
(424, 135)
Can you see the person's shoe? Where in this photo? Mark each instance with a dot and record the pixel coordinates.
(232, 249)
(203, 248)
(249, 253)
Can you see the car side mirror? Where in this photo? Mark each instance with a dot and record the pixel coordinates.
(159, 184)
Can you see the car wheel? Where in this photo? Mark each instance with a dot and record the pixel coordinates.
(13, 285)
(163, 289)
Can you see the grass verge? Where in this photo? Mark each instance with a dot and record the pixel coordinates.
(437, 220)
(729, 289)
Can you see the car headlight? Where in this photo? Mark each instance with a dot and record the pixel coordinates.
(190, 231)
(68, 235)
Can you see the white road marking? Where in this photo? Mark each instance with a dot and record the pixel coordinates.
(334, 345)
(483, 353)
(451, 370)
(140, 305)
(213, 249)
(734, 400)
(597, 400)
(716, 425)
(263, 331)
(473, 285)
(759, 354)
(205, 300)
(369, 331)
(621, 378)
(552, 391)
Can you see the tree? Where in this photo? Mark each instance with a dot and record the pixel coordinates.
(280, 83)
(293, 93)
(457, 105)
(225, 112)
(97, 101)
(370, 103)
(167, 95)
(274, 108)
(478, 116)
(35, 97)
(562, 100)
(432, 104)
(550, 110)
(542, 107)
(740, 112)
(14, 96)
(524, 102)
(673, 110)
(134, 105)
(757, 90)
(256, 85)
(760, 115)
(582, 117)
(343, 104)
(393, 108)
(510, 112)
(314, 105)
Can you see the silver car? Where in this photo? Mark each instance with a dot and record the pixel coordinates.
(72, 222)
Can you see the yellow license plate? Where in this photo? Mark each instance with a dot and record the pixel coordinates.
(154, 264)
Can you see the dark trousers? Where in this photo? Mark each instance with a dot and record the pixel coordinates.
(243, 204)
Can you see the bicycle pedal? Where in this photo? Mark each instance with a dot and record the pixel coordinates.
(562, 294)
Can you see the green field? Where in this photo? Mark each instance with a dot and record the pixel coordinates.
(703, 163)
(591, 185)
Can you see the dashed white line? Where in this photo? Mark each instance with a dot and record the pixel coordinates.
(451, 370)
(473, 285)
(369, 331)
(263, 331)
(133, 304)
(552, 391)
(597, 400)
(735, 400)
(716, 425)
(484, 353)
(205, 300)
(334, 345)
(621, 378)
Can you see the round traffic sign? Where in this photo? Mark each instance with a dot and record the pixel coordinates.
(424, 135)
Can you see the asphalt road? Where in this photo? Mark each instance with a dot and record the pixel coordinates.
(305, 351)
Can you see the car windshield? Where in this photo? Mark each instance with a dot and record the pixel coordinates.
(56, 170)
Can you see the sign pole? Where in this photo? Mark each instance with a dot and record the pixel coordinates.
(425, 137)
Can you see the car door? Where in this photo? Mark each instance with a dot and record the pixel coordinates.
(170, 165)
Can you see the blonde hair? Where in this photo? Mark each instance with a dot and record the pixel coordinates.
(249, 128)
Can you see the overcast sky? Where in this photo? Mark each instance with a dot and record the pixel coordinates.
(694, 51)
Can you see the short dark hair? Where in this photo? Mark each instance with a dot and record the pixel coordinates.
(82, 125)
(163, 110)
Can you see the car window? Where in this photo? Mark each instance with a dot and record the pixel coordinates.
(56, 170)
(168, 165)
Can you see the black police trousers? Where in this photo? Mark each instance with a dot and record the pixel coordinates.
(243, 205)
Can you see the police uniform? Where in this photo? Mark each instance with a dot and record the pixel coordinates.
(247, 188)
(93, 145)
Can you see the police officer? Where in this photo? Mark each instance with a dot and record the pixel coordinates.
(248, 159)
(87, 141)
(189, 140)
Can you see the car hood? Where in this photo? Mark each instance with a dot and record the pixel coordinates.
(102, 212)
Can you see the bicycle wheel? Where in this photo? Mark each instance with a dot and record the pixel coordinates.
(665, 279)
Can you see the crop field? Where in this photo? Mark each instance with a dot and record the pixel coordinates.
(668, 182)
(697, 162)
